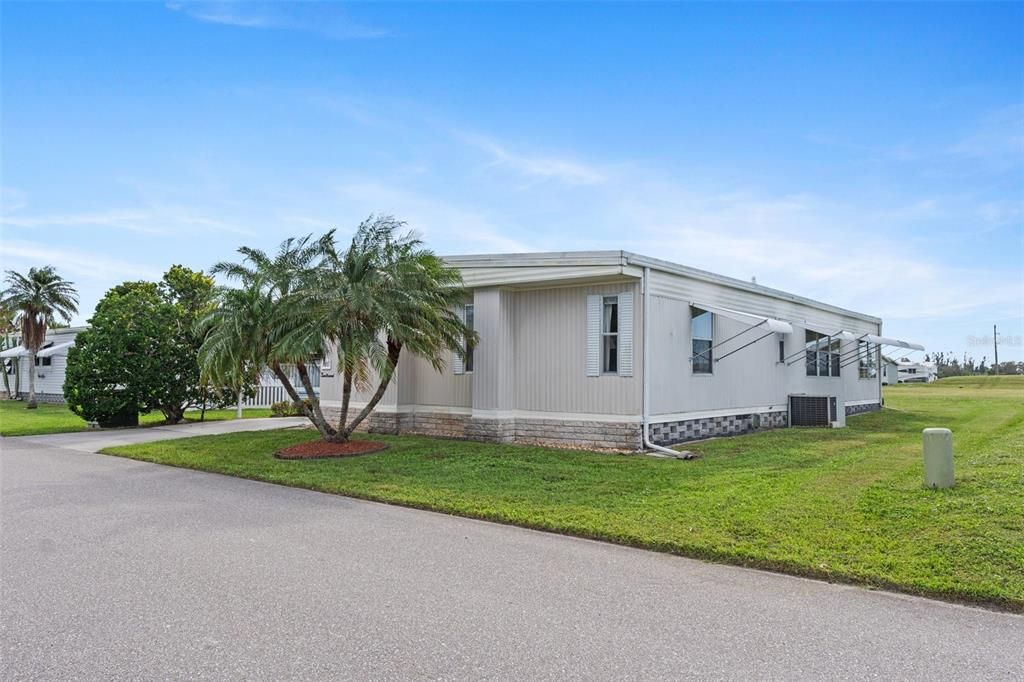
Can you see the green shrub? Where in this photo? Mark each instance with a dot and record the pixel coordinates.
(288, 408)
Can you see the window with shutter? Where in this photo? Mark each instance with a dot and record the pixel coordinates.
(458, 367)
(468, 319)
(610, 335)
(701, 335)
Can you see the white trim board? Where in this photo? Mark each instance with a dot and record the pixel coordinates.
(488, 414)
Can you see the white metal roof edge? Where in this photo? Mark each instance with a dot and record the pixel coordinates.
(556, 258)
(55, 349)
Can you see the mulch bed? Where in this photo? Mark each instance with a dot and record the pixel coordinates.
(318, 449)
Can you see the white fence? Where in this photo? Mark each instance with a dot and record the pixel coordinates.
(271, 390)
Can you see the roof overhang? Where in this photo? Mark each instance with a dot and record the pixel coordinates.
(525, 270)
(522, 270)
(16, 352)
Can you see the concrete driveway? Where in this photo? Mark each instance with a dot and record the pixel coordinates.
(118, 569)
(94, 441)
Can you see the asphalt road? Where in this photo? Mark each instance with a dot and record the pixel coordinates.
(118, 569)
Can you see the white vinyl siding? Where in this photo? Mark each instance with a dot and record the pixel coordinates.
(551, 341)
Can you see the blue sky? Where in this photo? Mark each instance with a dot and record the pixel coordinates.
(868, 155)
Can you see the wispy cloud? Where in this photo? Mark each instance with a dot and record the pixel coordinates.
(810, 245)
(154, 220)
(131, 220)
(326, 19)
(534, 167)
(80, 264)
(11, 199)
(998, 138)
(450, 228)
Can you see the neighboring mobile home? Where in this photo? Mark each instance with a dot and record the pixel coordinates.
(612, 349)
(51, 361)
(890, 371)
(916, 372)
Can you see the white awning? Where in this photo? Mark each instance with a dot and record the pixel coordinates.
(59, 349)
(749, 319)
(16, 352)
(888, 341)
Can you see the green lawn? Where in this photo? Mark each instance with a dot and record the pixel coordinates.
(15, 420)
(845, 505)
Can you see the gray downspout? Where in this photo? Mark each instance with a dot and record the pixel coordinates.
(647, 444)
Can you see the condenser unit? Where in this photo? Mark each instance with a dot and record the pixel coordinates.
(816, 410)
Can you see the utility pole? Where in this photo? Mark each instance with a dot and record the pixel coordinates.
(995, 346)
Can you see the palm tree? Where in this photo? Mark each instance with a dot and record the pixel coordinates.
(246, 330)
(382, 294)
(235, 339)
(39, 299)
(7, 323)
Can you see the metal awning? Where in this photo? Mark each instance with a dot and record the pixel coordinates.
(59, 349)
(16, 352)
(749, 319)
(753, 321)
(889, 341)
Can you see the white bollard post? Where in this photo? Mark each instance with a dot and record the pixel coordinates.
(938, 458)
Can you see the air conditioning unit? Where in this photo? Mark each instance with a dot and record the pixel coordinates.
(817, 410)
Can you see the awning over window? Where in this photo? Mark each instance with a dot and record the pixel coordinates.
(59, 349)
(749, 319)
(889, 341)
(16, 352)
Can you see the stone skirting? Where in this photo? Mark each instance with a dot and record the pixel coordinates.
(49, 398)
(550, 432)
(852, 410)
(578, 434)
(669, 433)
(445, 425)
(491, 430)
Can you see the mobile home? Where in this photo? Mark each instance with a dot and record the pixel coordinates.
(613, 349)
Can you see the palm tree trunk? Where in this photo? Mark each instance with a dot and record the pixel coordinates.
(394, 350)
(14, 365)
(346, 397)
(307, 384)
(325, 429)
(7, 379)
(31, 404)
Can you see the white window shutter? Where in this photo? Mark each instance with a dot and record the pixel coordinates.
(458, 367)
(626, 334)
(594, 304)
